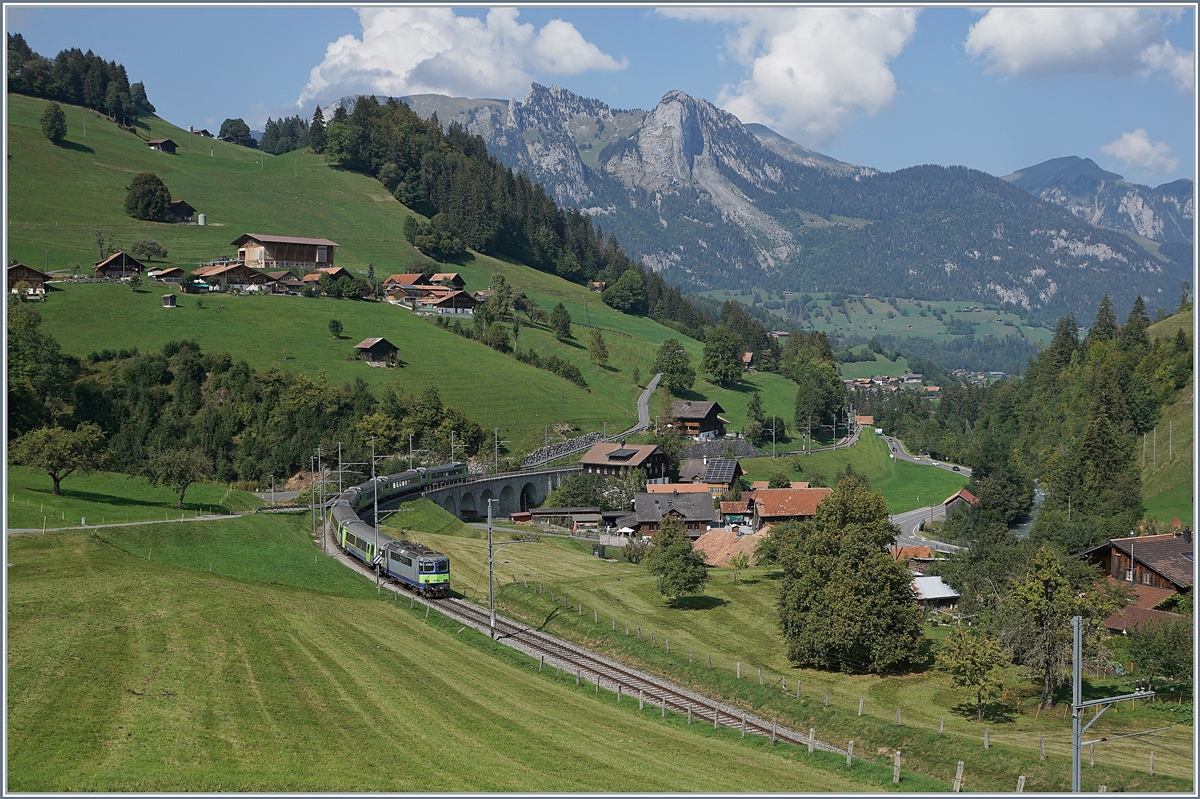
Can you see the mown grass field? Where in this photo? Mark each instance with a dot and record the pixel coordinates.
(127, 674)
(904, 485)
(108, 497)
(735, 623)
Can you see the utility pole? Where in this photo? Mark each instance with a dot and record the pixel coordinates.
(320, 472)
(453, 445)
(1078, 728)
(339, 467)
(375, 498)
(772, 435)
(491, 561)
(312, 499)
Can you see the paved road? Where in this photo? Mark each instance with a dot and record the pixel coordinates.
(202, 518)
(279, 496)
(643, 404)
(900, 453)
(909, 523)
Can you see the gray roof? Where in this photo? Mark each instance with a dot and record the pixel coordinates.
(651, 508)
(1170, 556)
(686, 409)
(932, 588)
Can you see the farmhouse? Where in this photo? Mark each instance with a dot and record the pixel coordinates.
(283, 252)
(1158, 561)
(448, 279)
(172, 274)
(202, 132)
(933, 594)
(620, 459)
(34, 277)
(408, 279)
(699, 418)
(776, 505)
(377, 351)
(232, 276)
(162, 145)
(695, 511)
(119, 265)
(452, 302)
(181, 211)
(738, 512)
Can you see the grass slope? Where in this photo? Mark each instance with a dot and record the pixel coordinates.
(246, 686)
(736, 623)
(1169, 466)
(109, 497)
(905, 485)
(243, 190)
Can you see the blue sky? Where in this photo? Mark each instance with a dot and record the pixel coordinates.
(887, 87)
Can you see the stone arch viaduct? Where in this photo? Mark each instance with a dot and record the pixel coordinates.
(516, 491)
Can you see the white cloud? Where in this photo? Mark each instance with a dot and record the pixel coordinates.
(418, 50)
(1048, 41)
(1136, 150)
(810, 70)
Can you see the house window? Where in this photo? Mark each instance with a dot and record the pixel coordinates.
(322, 253)
(1129, 575)
(1145, 578)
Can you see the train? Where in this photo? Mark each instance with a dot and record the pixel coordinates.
(411, 565)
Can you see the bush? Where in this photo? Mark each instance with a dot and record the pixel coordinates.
(147, 198)
(147, 250)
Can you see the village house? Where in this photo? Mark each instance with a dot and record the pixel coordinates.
(34, 277)
(619, 459)
(407, 279)
(171, 274)
(1159, 561)
(284, 281)
(682, 488)
(181, 211)
(963, 497)
(695, 511)
(718, 474)
(738, 513)
(747, 361)
(118, 265)
(283, 252)
(377, 351)
(777, 505)
(162, 145)
(570, 518)
(721, 544)
(454, 303)
(597, 286)
(699, 419)
(453, 279)
(232, 276)
(934, 595)
(202, 132)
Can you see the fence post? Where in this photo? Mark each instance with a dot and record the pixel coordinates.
(710, 662)
(651, 640)
(958, 777)
(626, 628)
(898, 718)
(986, 742)
(641, 700)
(798, 684)
(784, 678)
(860, 705)
(743, 725)
(1042, 744)
(1092, 756)
(774, 725)
(716, 718)
(595, 616)
(1152, 764)
(668, 645)
(664, 706)
(580, 608)
(614, 618)
(941, 724)
(827, 698)
(618, 692)
(639, 635)
(850, 755)
(812, 736)
(689, 715)
(1021, 784)
(739, 670)
(689, 657)
(541, 662)
(896, 769)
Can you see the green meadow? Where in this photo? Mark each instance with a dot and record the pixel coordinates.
(1166, 454)
(108, 497)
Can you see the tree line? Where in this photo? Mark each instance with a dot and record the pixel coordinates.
(78, 78)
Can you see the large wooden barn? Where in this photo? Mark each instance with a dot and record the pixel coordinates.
(283, 252)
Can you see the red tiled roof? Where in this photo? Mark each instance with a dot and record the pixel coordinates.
(964, 494)
(1145, 596)
(776, 502)
(407, 279)
(741, 506)
(1131, 616)
(904, 553)
(866, 421)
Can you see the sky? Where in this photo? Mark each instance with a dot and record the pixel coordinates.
(995, 89)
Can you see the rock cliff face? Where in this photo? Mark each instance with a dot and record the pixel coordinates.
(713, 203)
(1163, 214)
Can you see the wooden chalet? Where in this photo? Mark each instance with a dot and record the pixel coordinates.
(377, 351)
(699, 418)
(181, 211)
(694, 510)
(119, 265)
(172, 274)
(202, 132)
(448, 279)
(455, 302)
(963, 497)
(777, 505)
(619, 459)
(162, 145)
(262, 251)
(407, 279)
(34, 277)
(232, 276)
(1159, 561)
(284, 281)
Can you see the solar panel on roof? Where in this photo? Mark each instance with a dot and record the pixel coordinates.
(622, 454)
(720, 470)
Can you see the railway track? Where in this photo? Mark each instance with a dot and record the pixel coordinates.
(612, 675)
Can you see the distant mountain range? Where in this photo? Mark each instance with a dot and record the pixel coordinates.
(712, 203)
(1163, 214)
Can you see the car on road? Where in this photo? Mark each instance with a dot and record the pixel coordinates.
(957, 469)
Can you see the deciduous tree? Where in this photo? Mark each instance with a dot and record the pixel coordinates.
(147, 198)
(54, 123)
(60, 452)
(676, 367)
(560, 322)
(335, 328)
(974, 662)
(722, 359)
(678, 566)
(177, 468)
(597, 347)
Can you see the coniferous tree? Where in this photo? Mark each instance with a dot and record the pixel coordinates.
(316, 132)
